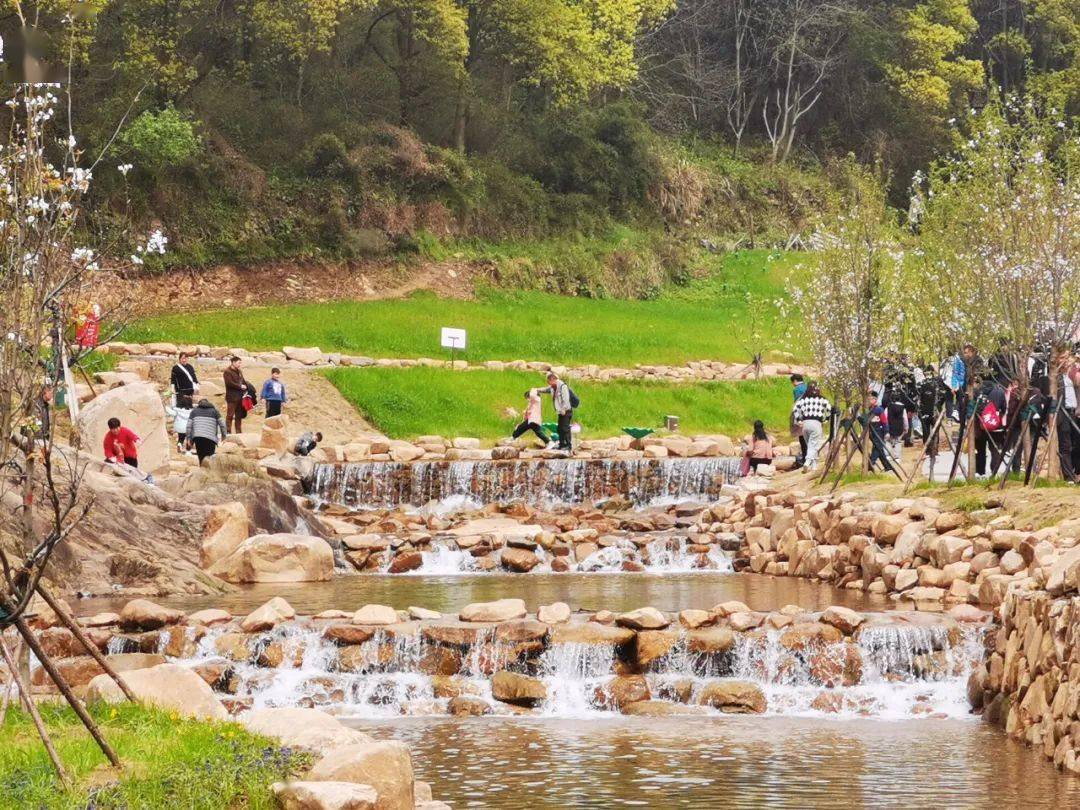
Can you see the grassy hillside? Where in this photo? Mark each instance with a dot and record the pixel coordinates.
(406, 403)
(707, 318)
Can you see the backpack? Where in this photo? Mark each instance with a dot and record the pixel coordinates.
(575, 402)
(990, 417)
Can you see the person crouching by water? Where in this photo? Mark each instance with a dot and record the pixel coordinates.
(760, 450)
(307, 442)
(532, 417)
(121, 444)
(205, 429)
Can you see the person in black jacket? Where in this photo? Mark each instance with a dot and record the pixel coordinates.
(990, 393)
(184, 381)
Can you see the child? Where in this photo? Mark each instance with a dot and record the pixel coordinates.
(531, 421)
(273, 393)
(181, 413)
(121, 444)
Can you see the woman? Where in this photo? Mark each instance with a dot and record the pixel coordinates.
(531, 420)
(760, 450)
(205, 429)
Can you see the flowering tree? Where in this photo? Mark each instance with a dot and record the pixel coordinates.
(1000, 239)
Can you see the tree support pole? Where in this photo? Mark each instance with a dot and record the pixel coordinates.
(31, 708)
(926, 446)
(68, 621)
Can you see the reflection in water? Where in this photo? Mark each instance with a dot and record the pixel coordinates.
(725, 762)
(448, 594)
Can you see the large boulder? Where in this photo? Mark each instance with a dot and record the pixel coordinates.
(142, 614)
(646, 618)
(227, 526)
(733, 697)
(166, 686)
(502, 610)
(309, 356)
(385, 766)
(138, 407)
(513, 687)
(278, 558)
(325, 796)
(309, 729)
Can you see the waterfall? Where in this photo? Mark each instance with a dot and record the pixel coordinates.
(897, 669)
(379, 484)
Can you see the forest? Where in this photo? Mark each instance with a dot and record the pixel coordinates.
(254, 130)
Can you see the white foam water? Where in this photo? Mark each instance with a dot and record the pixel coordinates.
(905, 671)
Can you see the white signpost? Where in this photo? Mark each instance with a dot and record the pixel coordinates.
(454, 340)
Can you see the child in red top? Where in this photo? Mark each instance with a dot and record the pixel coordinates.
(121, 444)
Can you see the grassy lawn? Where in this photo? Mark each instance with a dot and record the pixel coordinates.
(406, 403)
(704, 319)
(169, 762)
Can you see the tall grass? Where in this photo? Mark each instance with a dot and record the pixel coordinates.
(708, 318)
(406, 403)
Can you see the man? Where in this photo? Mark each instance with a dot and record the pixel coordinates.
(562, 399)
(235, 389)
(992, 405)
(1066, 433)
(798, 391)
(307, 442)
(121, 444)
(954, 375)
(184, 381)
(273, 393)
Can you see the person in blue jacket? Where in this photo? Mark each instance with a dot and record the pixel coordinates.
(273, 393)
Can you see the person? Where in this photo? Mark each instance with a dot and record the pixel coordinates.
(183, 378)
(121, 444)
(954, 375)
(931, 397)
(235, 390)
(273, 393)
(809, 413)
(760, 450)
(307, 442)
(563, 399)
(181, 413)
(1066, 434)
(205, 429)
(895, 407)
(876, 416)
(798, 390)
(992, 407)
(531, 419)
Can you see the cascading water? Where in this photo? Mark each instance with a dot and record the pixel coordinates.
(544, 481)
(892, 671)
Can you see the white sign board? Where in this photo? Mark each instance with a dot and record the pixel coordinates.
(453, 338)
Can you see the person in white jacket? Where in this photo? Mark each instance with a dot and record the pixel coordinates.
(181, 413)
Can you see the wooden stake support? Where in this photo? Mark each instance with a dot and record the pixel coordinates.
(31, 708)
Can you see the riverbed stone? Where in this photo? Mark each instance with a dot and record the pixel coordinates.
(422, 613)
(278, 558)
(308, 729)
(590, 633)
(344, 634)
(654, 644)
(621, 691)
(710, 640)
(646, 618)
(324, 796)
(227, 526)
(555, 613)
(209, 617)
(519, 559)
(661, 708)
(513, 687)
(843, 619)
(405, 562)
(468, 706)
(375, 615)
(167, 686)
(268, 616)
(733, 697)
(142, 614)
(501, 610)
(385, 766)
(693, 619)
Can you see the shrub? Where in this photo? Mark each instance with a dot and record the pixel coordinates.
(162, 139)
(326, 156)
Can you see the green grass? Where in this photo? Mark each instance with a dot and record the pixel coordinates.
(406, 403)
(168, 762)
(706, 319)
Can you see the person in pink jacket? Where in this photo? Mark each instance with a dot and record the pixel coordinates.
(531, 420)
(760, 450)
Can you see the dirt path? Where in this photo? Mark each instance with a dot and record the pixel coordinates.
(313, 403)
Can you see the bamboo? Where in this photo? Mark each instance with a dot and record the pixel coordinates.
(87, 644)
(65, 690)
(31, 708)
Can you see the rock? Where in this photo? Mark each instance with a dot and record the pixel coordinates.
(142, 614)
(385, 766)
(512, 687)
(1011, 562)
(309, 357)
(725, 609)
(501, 610)
(693, 619)
(519, 559)
(423, 613)
(556, 613)
(646, 618)
(227, 526)
(468, 706)
(269, 616)
(906, 578)
(406, 561)
(79, 670)
(843, 619)
(654, 644)
(324, 796)
(138, 407)
(1064, 573)
(209, 617)
(166, 686)
(278, 558)
(308, 729)
(590, 633)
(733, 697)
(661, 708)
(621, 691)
(710, 640)
(375, 614)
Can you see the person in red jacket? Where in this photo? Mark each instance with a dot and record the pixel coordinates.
(121, 444)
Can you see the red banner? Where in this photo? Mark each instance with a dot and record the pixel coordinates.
(88, 330)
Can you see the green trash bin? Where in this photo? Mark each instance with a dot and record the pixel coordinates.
(637, 432)
(60, 397)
